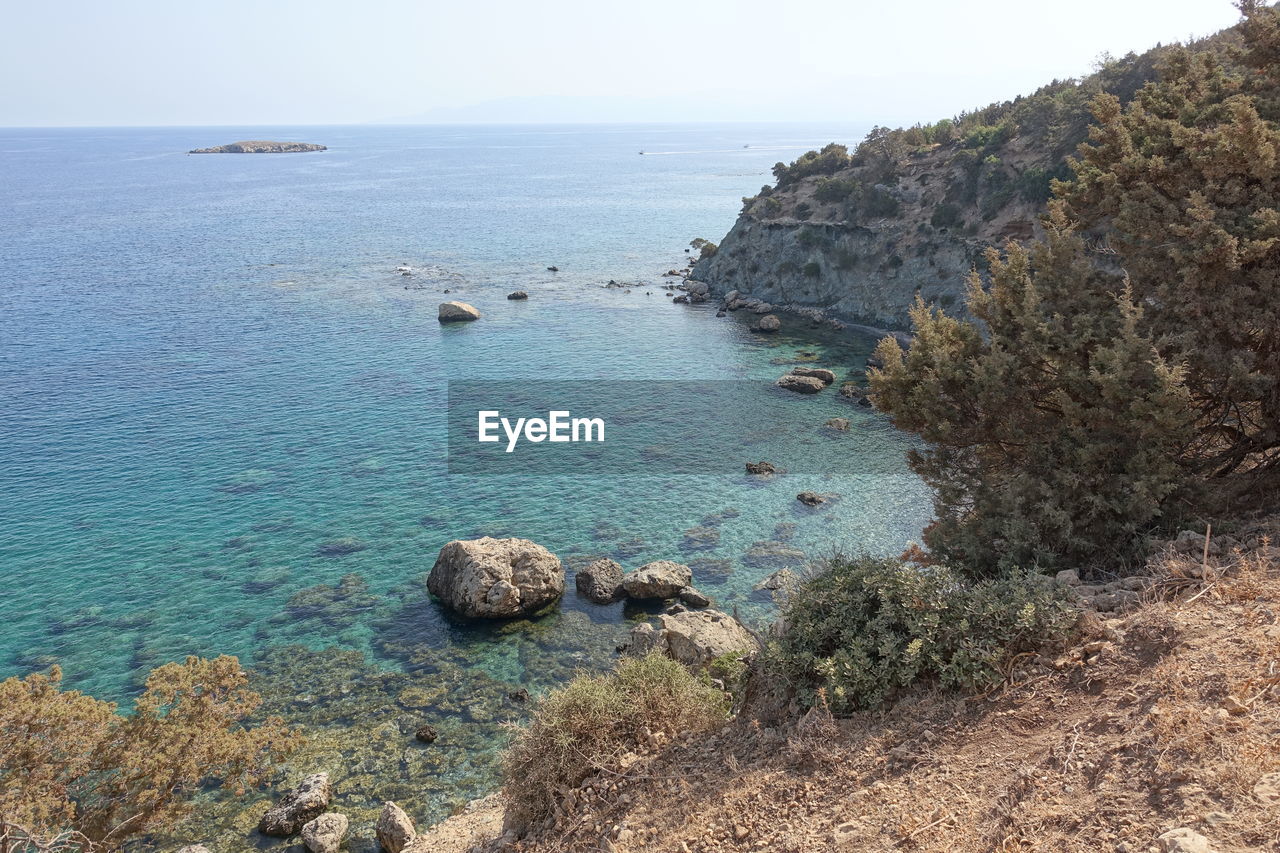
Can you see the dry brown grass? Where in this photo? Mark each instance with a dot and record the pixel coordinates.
(1164, 718)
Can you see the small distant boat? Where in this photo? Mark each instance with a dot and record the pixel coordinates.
(746, 146)
(642, 152)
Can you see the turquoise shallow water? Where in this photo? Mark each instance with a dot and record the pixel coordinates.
(210, 373)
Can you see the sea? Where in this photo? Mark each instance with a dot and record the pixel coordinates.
(224, 421)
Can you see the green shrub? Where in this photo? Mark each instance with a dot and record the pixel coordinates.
(863, 629)
(880, 203)
(812, 269)
(594, 719)
(835, 189)
(946, 215)
(705, 248)
(803, 211)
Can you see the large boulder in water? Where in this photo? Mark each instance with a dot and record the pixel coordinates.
(801, 384)
(300, 806)
(453, 312)
(496, 578)
(693, 637)
(827, 376)
(659, 579)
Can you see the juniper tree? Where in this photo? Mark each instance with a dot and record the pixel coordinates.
(1185, 183)
(1053, 429)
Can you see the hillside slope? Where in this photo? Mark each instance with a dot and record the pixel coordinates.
(1161, 720)
(911, 211)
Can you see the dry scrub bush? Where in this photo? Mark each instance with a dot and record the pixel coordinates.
(74, 773)
(591, 722)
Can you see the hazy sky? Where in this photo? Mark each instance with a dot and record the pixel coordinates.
(234, 62)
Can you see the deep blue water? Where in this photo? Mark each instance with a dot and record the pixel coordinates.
(208, 369)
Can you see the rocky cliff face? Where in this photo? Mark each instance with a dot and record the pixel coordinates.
(864, 269)
(858, 236)
(850, 272)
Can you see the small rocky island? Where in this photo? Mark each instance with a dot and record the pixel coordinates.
(260, 147)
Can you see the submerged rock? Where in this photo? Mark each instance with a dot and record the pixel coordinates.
(657, 580)
(301, 805)
(600, 582)
(700, 538)
(517, 295)
(496, 578)
(712, 569)
(857, 393)
(768, 554)
(394, 828)
(811, 498)
(452, 312)
(340, 547)
(841, 424)
(266, 579)
(426, 734)
(324, 834)
(768, 323)
(761, 468)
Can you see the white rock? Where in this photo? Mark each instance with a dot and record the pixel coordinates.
(325, 833)
(693, 637)
(394, 828)
(659, 579)
(1183, 840)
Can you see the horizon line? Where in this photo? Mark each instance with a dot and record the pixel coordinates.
(478, 123)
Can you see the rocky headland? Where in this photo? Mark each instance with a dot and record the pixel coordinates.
(857, 235)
